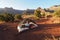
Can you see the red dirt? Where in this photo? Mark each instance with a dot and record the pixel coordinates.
(9, 31)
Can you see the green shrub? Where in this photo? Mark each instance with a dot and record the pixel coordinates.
(56, 13)
(8, 17)
(2, 18)
(18, 16)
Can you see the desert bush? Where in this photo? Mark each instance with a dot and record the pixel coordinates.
(18, 16)
(2, 18)
(8, 17)
(56, 13)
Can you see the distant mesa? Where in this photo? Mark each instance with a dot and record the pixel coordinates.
(15, 11)
(28, 11)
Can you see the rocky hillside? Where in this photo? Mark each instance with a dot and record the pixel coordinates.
(55, 7)
(15, 11)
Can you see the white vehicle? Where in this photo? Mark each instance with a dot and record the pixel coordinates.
(22, 27)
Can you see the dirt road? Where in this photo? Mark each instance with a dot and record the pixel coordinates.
(9, 32)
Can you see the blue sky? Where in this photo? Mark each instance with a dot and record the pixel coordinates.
(28, 4)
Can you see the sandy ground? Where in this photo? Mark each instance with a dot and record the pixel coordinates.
(8, 31)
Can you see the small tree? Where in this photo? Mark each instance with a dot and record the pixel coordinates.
(37, 12)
